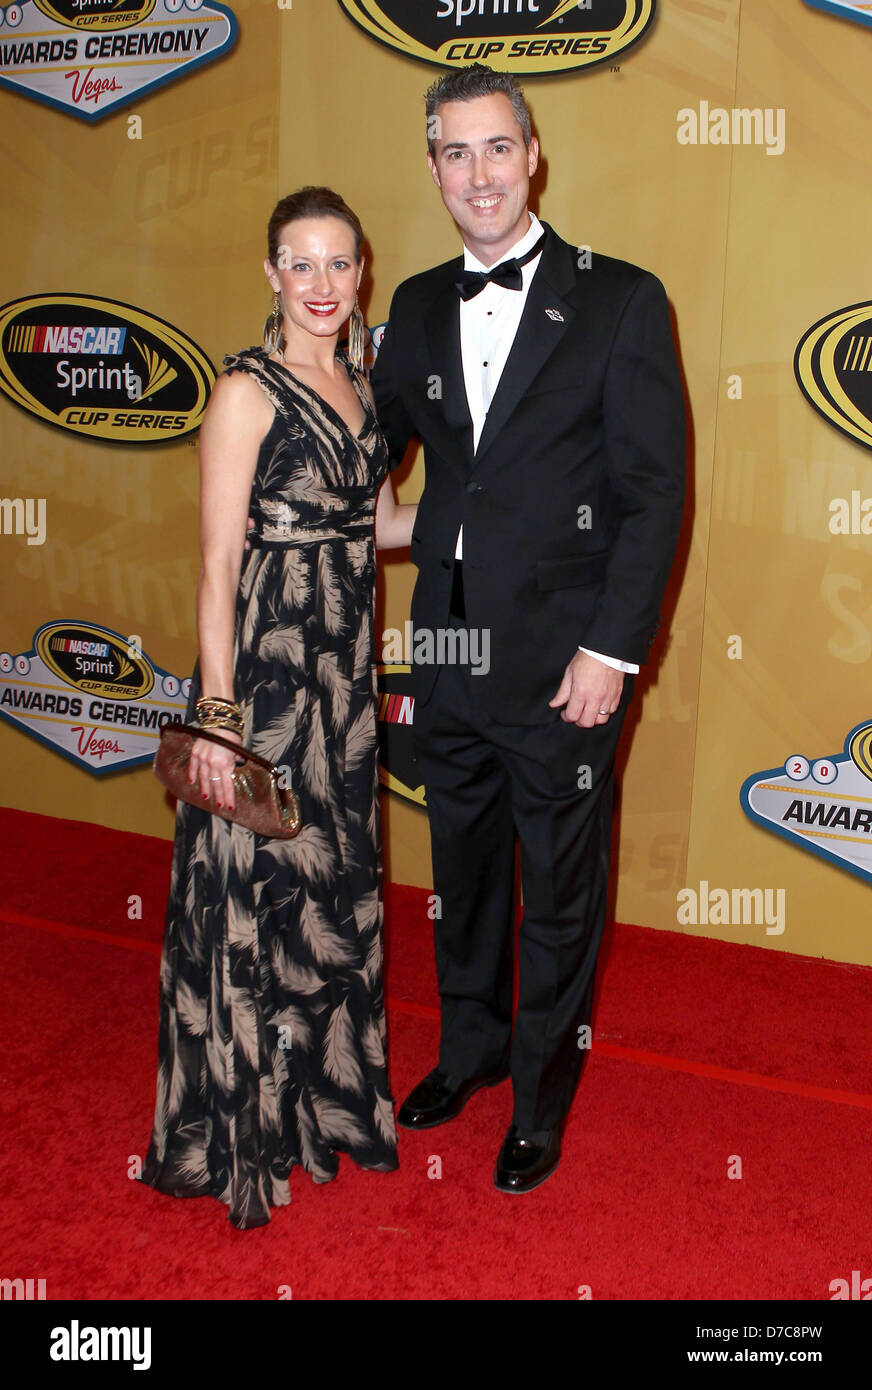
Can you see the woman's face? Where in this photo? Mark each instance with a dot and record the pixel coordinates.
(316, 274)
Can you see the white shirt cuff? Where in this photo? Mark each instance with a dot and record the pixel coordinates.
(629, 667)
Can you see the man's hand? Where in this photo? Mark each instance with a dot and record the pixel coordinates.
(590, 690)
(249, 526)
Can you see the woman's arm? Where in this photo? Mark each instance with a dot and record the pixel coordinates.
(393, 522)
(236, 419)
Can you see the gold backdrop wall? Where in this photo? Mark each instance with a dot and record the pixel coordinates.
(753, 249)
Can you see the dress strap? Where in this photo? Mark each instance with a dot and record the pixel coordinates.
(255, 362)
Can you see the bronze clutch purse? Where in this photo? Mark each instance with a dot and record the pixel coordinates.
(262, 805)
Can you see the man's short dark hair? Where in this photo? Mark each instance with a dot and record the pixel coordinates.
(465, 84)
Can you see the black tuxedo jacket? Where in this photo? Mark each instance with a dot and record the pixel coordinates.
(588, 414)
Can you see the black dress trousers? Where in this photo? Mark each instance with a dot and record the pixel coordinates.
(553, 784)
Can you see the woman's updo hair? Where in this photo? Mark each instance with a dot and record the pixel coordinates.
(310, 201)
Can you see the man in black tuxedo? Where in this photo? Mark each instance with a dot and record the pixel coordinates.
(543, 383)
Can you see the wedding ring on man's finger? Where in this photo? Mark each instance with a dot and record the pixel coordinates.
(603, 711)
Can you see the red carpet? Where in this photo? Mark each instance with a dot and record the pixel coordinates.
(703, 1051)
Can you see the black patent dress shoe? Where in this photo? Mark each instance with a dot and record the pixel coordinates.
(526, 1159)
(439, 1097)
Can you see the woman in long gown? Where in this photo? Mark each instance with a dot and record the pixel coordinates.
(272, 1027)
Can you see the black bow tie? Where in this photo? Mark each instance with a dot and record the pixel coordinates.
(507, 273)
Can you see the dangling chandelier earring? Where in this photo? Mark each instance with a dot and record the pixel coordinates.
(273, 338)
(356, 337)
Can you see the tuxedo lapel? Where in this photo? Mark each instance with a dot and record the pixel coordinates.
(442, 319)
(538, 334)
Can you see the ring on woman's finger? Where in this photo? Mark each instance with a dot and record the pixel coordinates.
(215, 779)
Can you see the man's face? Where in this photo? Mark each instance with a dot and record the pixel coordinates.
(483, 172)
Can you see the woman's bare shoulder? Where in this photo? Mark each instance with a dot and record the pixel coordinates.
(238, 388)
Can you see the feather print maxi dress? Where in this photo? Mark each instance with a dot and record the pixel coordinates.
(272, 1029)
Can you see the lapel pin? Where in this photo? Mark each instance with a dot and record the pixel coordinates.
(555, 315)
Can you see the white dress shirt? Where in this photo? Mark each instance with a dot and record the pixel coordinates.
(488, 324)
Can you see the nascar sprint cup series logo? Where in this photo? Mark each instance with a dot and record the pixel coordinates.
(833, 366)
(520, 36)
(91, 694)
(101, 368)
(90, 57)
